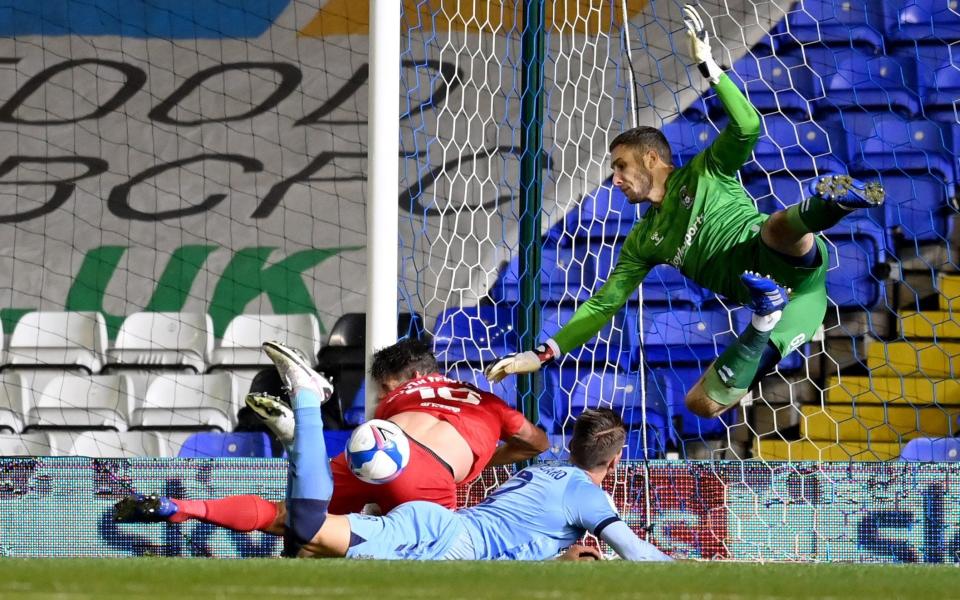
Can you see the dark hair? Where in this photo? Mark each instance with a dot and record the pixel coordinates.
(598, 436)
(644, 138)
(403, 359)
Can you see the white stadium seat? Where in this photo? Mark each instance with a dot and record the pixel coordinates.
(26, 444)
(240, 345)
(14, 394)
(59, 339)
(164, 340)
(72, 401)
(107, 444)
(189, 402)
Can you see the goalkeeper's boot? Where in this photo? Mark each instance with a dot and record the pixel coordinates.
(140, 508)
(766, 295)
(848, 192)
(295, 370)
(275, 414)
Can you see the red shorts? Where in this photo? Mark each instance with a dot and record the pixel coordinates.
(426, 477)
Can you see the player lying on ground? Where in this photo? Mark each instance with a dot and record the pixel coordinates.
(453, 429)
(536, 514)
(702, 222)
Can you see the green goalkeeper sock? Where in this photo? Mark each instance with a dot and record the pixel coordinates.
(816, 214)
(733, 372)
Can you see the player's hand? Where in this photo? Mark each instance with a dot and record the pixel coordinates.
(579, 552)
(700, 44)
(521, 362)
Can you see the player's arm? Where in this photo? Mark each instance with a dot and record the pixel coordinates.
(591, 509)
(733, 146)
(585, 323)
(529, 442)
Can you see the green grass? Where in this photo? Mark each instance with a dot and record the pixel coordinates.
(275, 578)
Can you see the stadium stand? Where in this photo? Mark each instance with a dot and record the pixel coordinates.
(64, 340)
(70, 401)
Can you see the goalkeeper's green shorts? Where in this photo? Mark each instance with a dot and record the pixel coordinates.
(808, 299)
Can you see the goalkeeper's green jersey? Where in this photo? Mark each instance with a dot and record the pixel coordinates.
(704, 215)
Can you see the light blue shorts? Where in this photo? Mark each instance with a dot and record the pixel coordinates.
(411, 531)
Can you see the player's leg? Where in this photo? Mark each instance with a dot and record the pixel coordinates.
(832, 197)
(728, 379)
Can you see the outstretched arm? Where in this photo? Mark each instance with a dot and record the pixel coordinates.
(529, 442)
(628, 546)
(733, 146)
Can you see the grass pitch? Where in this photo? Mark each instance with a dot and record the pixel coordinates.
(156, 578)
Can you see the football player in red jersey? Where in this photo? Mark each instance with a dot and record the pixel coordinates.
(454, 430)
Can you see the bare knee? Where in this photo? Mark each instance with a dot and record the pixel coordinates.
(701, 405)
(779, 233)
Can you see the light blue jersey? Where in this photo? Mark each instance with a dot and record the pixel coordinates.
(539, 512)
(535, 515)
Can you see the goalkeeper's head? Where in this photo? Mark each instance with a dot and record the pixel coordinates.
(597, 442)
(397, 364)
(641, 162)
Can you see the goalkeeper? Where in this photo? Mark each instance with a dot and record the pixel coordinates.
(703, 223)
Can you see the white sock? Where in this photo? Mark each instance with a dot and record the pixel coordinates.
(766, 322)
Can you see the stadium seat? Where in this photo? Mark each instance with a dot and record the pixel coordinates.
(931, 450)
(888, 143)
(14, 400)
(851, 22)
(782, 84)
(870, 82)
(100, 401)
(107, 444)
(682, 333)
(179, 401)
(603, 213)
(475, 333)
(563, 276)
(163, 340)
(917, 206)
(925, 20)
(24, 444)
(210, 444)
(615, 343)
(669, 386)
(242, 340)
(570, 388)
(779, 192)
(687, 138)
(941, 92)
(853, 280)
(68, 340)
(796, 147)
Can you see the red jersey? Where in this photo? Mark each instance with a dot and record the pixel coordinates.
(480, 417)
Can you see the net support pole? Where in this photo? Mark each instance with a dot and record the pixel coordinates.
(383, 151)
(531, 191)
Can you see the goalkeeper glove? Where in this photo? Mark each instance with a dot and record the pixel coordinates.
(522, 362)
(700, 44)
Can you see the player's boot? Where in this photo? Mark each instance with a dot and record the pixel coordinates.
(295, 371)
(140, 508)
(848, 192)
(275, 414)
(766, 295)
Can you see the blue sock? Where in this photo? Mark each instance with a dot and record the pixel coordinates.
(309, 480)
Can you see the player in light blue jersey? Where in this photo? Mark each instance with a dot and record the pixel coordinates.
(537, 514)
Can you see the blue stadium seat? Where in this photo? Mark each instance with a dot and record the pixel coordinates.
(683, 333)
(852, 280)
(604, 213)
(777, 83)
(940, 64)
(670, 386)
(208, 444)
(687, 138)
(615, 343)
(474, 333)
(931, 450)
(917, 206)
(563, 276)
(889, 143)
(870, 82)
(796, 147)
(851, 22)
(925, 20)
(568, 389)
